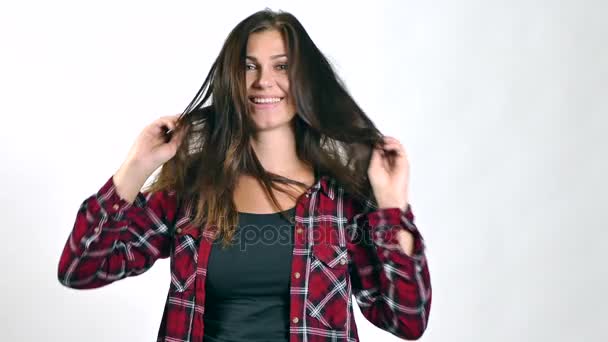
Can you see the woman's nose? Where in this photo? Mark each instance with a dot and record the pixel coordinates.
(265, 79)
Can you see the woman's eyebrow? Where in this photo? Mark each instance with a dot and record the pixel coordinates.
(271, 57)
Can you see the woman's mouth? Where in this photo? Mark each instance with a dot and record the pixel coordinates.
(265, 102)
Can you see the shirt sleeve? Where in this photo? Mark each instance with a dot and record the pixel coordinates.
(113, 239)
(392, 289)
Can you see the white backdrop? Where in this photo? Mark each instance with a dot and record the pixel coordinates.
(502, 106)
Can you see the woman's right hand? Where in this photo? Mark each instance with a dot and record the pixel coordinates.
(149, 151)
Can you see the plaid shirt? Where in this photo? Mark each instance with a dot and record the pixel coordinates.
(341, 247)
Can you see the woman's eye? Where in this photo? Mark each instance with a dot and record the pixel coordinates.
(250, 66)
(282, 66)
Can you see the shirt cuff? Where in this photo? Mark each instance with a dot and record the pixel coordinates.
(106, 203)
(384, 224)
(112, 203)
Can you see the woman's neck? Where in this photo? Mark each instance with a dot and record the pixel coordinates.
(276, 150)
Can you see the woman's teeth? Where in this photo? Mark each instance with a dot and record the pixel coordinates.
(266, 99)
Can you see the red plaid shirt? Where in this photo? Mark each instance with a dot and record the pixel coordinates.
(341, 247)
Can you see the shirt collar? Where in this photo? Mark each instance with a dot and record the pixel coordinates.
(325, 184)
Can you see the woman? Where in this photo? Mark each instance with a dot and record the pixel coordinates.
(274, 144)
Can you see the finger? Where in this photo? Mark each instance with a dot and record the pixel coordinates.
(166, 121)
(395, 155)
(387, 138)
(395, 148)
(390, 141)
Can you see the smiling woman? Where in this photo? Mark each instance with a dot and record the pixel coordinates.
(272, 141)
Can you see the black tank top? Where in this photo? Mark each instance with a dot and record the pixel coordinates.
(247, 286)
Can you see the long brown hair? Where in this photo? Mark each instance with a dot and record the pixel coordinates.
(333, 134)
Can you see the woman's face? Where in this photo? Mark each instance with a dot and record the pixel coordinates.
(267, 80)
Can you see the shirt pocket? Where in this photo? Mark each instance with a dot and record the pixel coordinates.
(328, 289)
(184, 262)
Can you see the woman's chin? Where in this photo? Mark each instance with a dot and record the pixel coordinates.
(264, 121)
(272, 125)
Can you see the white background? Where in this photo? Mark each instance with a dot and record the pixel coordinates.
(502, 106)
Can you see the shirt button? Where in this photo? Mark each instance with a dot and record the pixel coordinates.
(295, 320)
(178, 230)
(297, 275)
(343, 261)
(299, 230)
(96, 230)
(115, 207)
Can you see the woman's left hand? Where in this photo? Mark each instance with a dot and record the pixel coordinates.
(389, 173)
